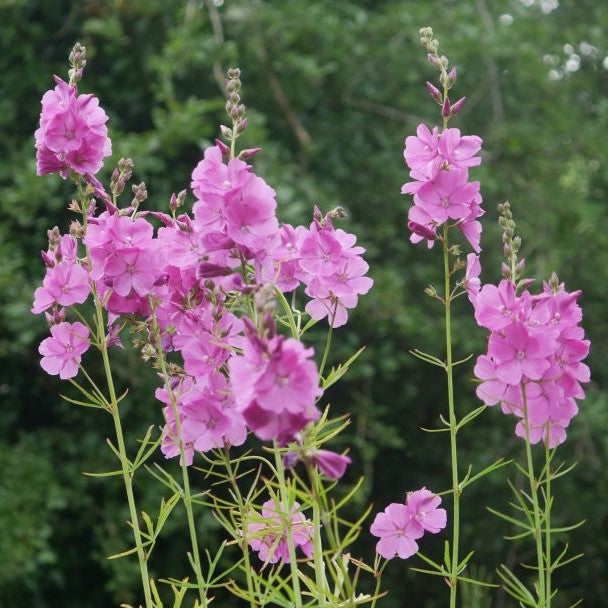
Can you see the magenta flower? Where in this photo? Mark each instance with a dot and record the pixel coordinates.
(72, 133)
(421, 149)
(425, 512)
(332, 465)
(66, 283)
(448, 195)
(400, 525)
(132, 269)
(267, 535)
(459, 151)
(471, 283)
(275, 385)
(62, 352)
(496, 307)
(519, 354)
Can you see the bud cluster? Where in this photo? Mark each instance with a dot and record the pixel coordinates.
(78, 62)
(511, 244)
(447, 78)
(121, 176)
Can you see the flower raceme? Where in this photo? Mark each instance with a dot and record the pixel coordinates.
(399, 526)
(439, 164)
(72, 134)
(533, 366)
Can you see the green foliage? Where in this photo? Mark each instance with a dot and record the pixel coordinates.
(333, 89)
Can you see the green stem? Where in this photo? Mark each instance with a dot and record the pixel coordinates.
(453, 423)
(534, 496)
(244, 514)
(124, 462)
(320, 580)
(187, 496)
(547, 520)
(327, 347)
(286, 506)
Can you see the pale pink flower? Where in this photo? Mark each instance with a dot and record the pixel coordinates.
(62, 352)
(67, 283)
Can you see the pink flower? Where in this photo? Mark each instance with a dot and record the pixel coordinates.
(132, 269)
(496, 307)
(66, 283)
(459, 151)
(332, 465)
(275, 385)
(471, 283)
(267, 535)
(420, 150)
(519, 354)
(72, 133)
(425, 512)
(62, 352)
(400, 525)
(448, 195)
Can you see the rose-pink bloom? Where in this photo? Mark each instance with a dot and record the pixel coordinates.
(459, 151)
(448, 195)
(275, 385)
(72, 133)
(397, 532)
(421, 149)
(66, 283)
(496, 307)
(423, 505)
(62, 352)
(519, 354)
(471, 283)
(332, 465)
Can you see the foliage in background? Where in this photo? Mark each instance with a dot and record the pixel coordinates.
(335, 88)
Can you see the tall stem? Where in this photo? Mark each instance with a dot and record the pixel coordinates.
(286, 506)
(244, 514)
(534, 496)
(547, 521)
(124, 462)
(187, 497)
(453, 422)
(320, 581)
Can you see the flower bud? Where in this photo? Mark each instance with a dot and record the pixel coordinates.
(54, 237)
(242, 125)
(446, 109)
(249, 152)
(457, 106)
(506, 271)
(430, 291)
(76, 229)
(226, 131)
(225, 150)
(434, 91)
(452, 76)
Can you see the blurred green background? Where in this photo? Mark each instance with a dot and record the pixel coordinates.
(332, 89)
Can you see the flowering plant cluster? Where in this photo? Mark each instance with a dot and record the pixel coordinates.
(202, 295)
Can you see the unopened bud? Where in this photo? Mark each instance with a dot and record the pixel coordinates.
(74, 206)
(226, 131)
(506, 271)
(452, 76)
(140, 192)
(234, 73)
(434, 91)
(224, 149)
(433, 59)
(457, 106)
(148, 352)
(77, 229)
(430, 291)
(446, 109)
(54, 237)
(516, 244)
(242, 125)
(337, 213)
(249, 152)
